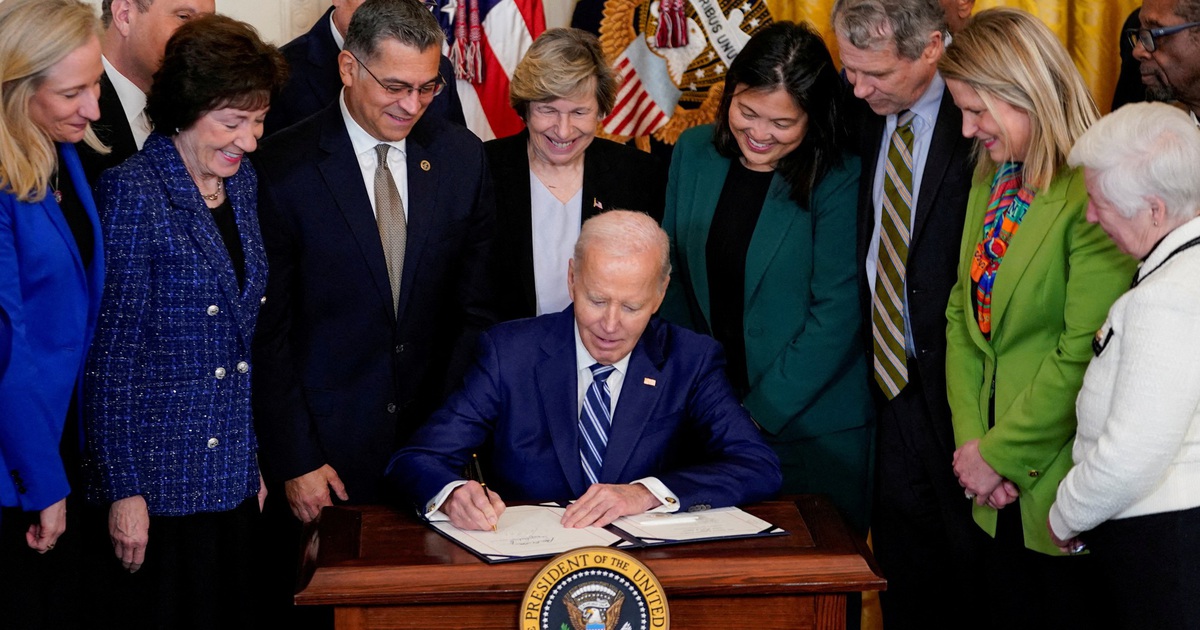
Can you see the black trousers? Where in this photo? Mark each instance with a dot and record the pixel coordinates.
(1150, 568)
(924, 538)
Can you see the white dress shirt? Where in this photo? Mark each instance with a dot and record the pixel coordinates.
(364, 149)
(133, 102)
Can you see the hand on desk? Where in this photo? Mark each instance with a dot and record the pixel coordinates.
(604, 503)
(469, 508)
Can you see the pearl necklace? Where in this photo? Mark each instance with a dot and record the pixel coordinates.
(213, 197)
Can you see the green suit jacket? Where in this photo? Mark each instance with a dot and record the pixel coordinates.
(1052, 292)
(806, 368)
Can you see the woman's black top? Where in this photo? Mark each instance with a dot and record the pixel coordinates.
(75, 214)
(733, 224)
(223, 215)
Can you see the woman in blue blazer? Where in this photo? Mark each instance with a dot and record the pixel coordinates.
(761, 212)
(51, 275)
(168, 381)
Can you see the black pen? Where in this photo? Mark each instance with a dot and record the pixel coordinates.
(479, 478)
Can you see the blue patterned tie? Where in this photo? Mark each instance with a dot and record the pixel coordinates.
(594, 421)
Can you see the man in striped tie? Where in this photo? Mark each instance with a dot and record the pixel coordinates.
(912, 198)
(601, 403)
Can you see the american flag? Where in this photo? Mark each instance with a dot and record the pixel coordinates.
(508, 29)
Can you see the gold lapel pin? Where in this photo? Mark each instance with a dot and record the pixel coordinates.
(425, 166)
(649, 381)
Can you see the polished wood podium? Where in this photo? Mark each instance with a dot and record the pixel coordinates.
(381, 568)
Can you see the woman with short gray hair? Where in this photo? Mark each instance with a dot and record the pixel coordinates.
(1134, 492)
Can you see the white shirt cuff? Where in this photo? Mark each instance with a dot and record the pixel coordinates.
(433, 507)
(670, 502)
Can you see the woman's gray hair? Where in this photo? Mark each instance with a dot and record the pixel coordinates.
(1143, 150)
(625, 233)
(873, 24)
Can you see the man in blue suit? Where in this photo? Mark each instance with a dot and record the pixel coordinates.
(315, 81)
(598, 403)
(379, 267)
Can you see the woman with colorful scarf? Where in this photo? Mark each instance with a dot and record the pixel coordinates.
(1035, 282)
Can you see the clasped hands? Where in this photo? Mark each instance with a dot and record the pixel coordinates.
(469, 507)
(980, 479)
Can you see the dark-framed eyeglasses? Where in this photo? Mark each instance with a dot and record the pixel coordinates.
(402, 90)
(1148, 37)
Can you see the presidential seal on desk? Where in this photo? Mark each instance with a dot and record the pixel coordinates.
(594, 588)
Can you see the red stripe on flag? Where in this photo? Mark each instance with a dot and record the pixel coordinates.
(493, 95)
(535, 16)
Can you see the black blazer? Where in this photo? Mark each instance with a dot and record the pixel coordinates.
(932, 267)
(113, 130)
(339, 378)
(314, 81)
(614, 176)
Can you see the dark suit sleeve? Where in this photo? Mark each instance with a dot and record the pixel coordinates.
(737, 466)
(476, 286)
(289, 446)
(439, 450)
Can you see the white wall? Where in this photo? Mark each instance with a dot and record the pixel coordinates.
(278, 21)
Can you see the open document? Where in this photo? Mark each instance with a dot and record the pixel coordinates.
(534, 531)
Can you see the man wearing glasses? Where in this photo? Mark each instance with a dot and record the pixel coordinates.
(1168, 47)
(315, 81)
(378, 223)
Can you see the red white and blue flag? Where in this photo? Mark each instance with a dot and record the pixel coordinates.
(485, 40)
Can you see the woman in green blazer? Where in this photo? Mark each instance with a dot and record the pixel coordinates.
(761, 212)
(1035, 283)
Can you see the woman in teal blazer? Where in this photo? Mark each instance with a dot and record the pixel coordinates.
(761, 215)
(1035, 283)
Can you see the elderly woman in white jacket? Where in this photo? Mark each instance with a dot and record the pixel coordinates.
(1134, 493)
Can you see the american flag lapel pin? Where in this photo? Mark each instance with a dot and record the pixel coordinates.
(649, 381)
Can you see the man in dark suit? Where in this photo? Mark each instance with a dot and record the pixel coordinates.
(922, 525)
(315, 81)
(378, 225)
(135, 37)
(598, 403)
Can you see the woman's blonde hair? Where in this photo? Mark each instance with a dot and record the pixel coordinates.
(34, 36)
(1010, 55)
(562, 63)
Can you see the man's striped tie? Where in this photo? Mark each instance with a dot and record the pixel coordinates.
(887, 304)
(594, 421)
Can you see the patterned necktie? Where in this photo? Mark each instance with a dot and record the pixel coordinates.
(389, 215)
(887, 303)
(594, 421)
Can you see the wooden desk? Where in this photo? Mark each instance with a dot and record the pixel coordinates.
(384, 569)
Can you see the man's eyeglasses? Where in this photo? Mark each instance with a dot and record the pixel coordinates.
(1148, 37)
(404, 90)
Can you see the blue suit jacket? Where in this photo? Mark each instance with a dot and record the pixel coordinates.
(676, 419)
(48, 307)
(314, 81)
(343, 380)
(168, 384)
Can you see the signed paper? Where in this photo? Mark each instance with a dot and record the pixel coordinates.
(727, 522)
(527, 531)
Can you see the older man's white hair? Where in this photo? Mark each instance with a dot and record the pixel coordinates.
(1143, 150)
(625, 233)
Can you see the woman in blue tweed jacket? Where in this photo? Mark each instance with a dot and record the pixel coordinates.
(169, 427)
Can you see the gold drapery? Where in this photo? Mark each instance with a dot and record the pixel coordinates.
(1090, 29)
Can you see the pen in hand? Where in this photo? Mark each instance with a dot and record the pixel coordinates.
(479, 478)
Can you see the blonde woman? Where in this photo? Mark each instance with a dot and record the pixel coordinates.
(1035, 282)
(556, 174)
(51, 278)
